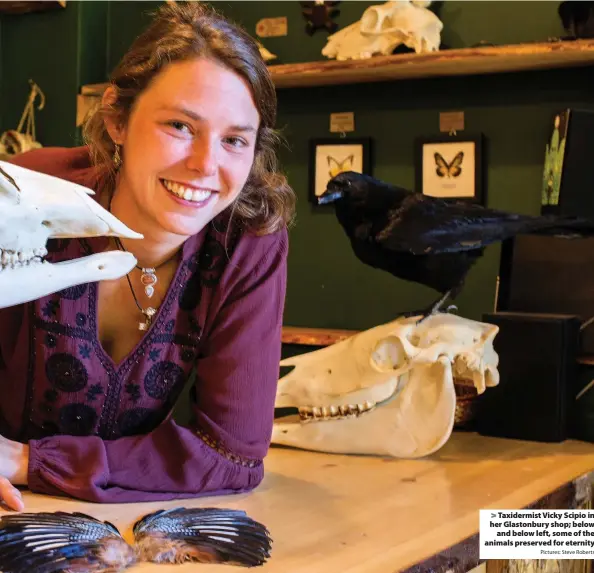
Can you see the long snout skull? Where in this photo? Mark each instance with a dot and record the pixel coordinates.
(35, 207)
(388, 390)
(383, 28)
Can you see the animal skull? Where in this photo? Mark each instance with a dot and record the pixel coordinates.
(388, 390)
(35, 207)
(383, 28)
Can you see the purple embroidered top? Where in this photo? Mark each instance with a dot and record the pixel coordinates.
(102, 431)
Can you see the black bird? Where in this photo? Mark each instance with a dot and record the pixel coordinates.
(424, 239)
(75, 542)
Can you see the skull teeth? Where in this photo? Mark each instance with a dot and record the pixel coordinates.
(307, 413)
(15, 259)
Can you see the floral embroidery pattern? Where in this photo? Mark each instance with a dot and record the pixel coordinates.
(66, 372)
(162, 378)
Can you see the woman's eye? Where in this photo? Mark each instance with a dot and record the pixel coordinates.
(236, 141)
(180, 126)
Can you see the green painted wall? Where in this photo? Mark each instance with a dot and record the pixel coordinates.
(59, 49)
(327, 286)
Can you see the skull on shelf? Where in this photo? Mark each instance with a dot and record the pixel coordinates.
(384, 27)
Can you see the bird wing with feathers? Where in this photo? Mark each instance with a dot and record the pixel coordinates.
(202, 535)
(424, 225)
(76, 542)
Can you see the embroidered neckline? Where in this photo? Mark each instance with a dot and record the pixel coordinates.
(117, 372)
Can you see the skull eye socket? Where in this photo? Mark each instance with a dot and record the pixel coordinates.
(389, 354)
(387, 24)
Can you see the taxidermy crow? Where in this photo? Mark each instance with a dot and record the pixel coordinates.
(60, 541)
(424, 239)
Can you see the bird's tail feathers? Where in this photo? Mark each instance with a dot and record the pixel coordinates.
(563, 226)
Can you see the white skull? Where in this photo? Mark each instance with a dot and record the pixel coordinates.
(388, 390)
(45, 207)
(383, 28)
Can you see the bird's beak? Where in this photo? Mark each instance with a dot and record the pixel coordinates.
(330, 196)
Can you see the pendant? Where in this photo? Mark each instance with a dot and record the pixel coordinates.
(149, 280)
(149, 313)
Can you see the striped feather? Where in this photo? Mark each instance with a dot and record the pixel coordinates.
(60, 541)
(206, 535)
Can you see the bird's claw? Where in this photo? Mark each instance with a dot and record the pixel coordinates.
(427, 312)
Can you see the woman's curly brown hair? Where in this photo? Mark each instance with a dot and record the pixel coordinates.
(182, 31)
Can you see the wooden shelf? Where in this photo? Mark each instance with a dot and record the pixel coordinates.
(314, 336)
(460, 62)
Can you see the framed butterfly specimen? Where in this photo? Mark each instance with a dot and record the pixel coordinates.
(330, 156)
(451, 167)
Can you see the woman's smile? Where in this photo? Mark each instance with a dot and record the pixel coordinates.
(188, 194)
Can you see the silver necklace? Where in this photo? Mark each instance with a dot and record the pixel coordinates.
(148, 278)
(148, 282)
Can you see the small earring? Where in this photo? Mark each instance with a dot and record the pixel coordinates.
(117, 158)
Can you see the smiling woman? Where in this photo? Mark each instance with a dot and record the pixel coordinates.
(181, 151)
(187, 149)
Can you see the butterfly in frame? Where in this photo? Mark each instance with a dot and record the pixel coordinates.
(445, 169)
(335, 167)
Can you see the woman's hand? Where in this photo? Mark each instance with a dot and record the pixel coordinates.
(10, 495)
(14, 465)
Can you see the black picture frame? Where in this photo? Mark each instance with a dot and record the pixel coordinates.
(322, 151)
(440, 163)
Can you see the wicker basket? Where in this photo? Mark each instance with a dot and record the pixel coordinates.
(466, 395)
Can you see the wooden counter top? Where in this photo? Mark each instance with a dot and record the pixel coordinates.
(354, 514)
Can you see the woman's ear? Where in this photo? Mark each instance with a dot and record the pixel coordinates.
(113, 125)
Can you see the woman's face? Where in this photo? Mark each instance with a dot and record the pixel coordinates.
(188, 146)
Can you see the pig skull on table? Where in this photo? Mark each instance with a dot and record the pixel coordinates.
(388, 390)
(383, 28)
(35, 207)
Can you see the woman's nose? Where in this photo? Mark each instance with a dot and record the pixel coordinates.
(204, 156)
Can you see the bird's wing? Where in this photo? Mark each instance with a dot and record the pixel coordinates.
(205, 535)
(425, 225)
(59, 541)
